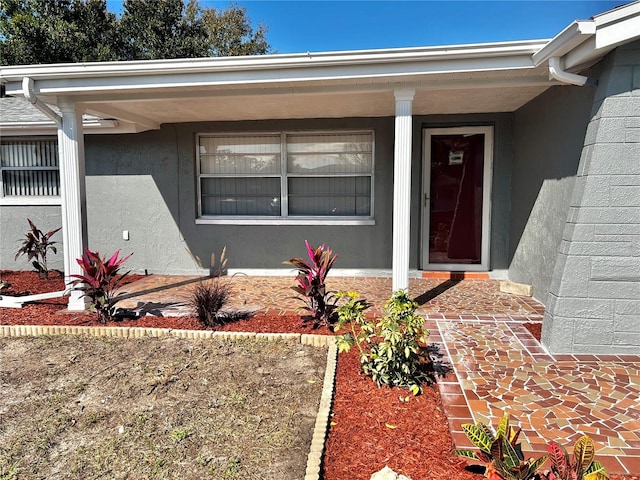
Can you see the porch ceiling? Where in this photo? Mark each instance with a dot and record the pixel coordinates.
(458, 79)
(436, 93)
(314, 105)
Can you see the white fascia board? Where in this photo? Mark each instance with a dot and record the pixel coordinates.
(583, 56)
(276, 62)
(618, 26)
(617, 14)
(613, 28)
(572, 36)
(120, 77)
(114, 88)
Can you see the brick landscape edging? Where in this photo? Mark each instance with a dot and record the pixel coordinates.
(316, 450)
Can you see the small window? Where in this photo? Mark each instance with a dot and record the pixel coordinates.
(286, 176)
(29, 168)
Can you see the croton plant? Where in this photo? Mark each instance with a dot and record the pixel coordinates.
(503, 459)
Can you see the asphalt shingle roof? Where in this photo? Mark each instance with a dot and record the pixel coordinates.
(19, 110)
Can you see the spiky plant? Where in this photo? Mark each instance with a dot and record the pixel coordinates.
(100, 281)
(318, 301)
(35, 246)
(209, 296)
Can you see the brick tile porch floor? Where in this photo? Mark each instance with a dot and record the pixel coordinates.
(498, 365)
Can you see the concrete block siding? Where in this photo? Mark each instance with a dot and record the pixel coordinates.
(594, 297)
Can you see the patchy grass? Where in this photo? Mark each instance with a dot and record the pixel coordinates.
(84, 407)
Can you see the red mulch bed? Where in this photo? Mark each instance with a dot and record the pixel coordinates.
(370, 427)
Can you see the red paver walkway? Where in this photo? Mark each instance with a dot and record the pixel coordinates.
(500, 368)
(448, 297)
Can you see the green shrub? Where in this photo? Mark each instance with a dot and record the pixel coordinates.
(393, 350)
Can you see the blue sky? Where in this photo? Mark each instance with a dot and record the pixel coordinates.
(301, 26)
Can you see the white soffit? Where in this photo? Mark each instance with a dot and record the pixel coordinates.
(326, 105)
(470, 92)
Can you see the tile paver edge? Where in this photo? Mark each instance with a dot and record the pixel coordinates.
(316, 449)
(445, 345)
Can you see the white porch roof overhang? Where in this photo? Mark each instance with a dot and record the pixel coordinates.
(143, 95)
(497, 77)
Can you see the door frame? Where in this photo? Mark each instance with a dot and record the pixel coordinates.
(486, 198)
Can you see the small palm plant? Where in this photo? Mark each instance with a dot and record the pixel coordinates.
(319, 302)
(35, 246)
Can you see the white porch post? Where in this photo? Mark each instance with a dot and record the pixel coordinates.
(74, 202)
(402, 189)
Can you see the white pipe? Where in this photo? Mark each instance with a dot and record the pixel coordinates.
(556, 72)
(30, 94)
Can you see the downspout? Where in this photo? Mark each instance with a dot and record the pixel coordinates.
(30, 94)
(556, 72)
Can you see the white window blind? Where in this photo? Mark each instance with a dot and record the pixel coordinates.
(29, 168)
(240, 176)
(286, 175)
(330, 174)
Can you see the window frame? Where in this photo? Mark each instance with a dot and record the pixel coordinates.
(27, 200)
(285, 218)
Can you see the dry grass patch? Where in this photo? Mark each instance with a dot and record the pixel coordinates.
(84, 407)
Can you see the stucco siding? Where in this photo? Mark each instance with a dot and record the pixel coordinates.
(548, 134)
(146, 184)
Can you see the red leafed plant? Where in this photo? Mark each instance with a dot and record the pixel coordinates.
(583, 466)
(35, 246)
(100, 281)
(311, 282)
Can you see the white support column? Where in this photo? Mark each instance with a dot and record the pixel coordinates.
(402, 189)
(73, 196)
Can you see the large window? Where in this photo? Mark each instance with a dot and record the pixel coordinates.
(29, 168)
(286, 176)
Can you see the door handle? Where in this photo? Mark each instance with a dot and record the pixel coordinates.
(426, 199)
